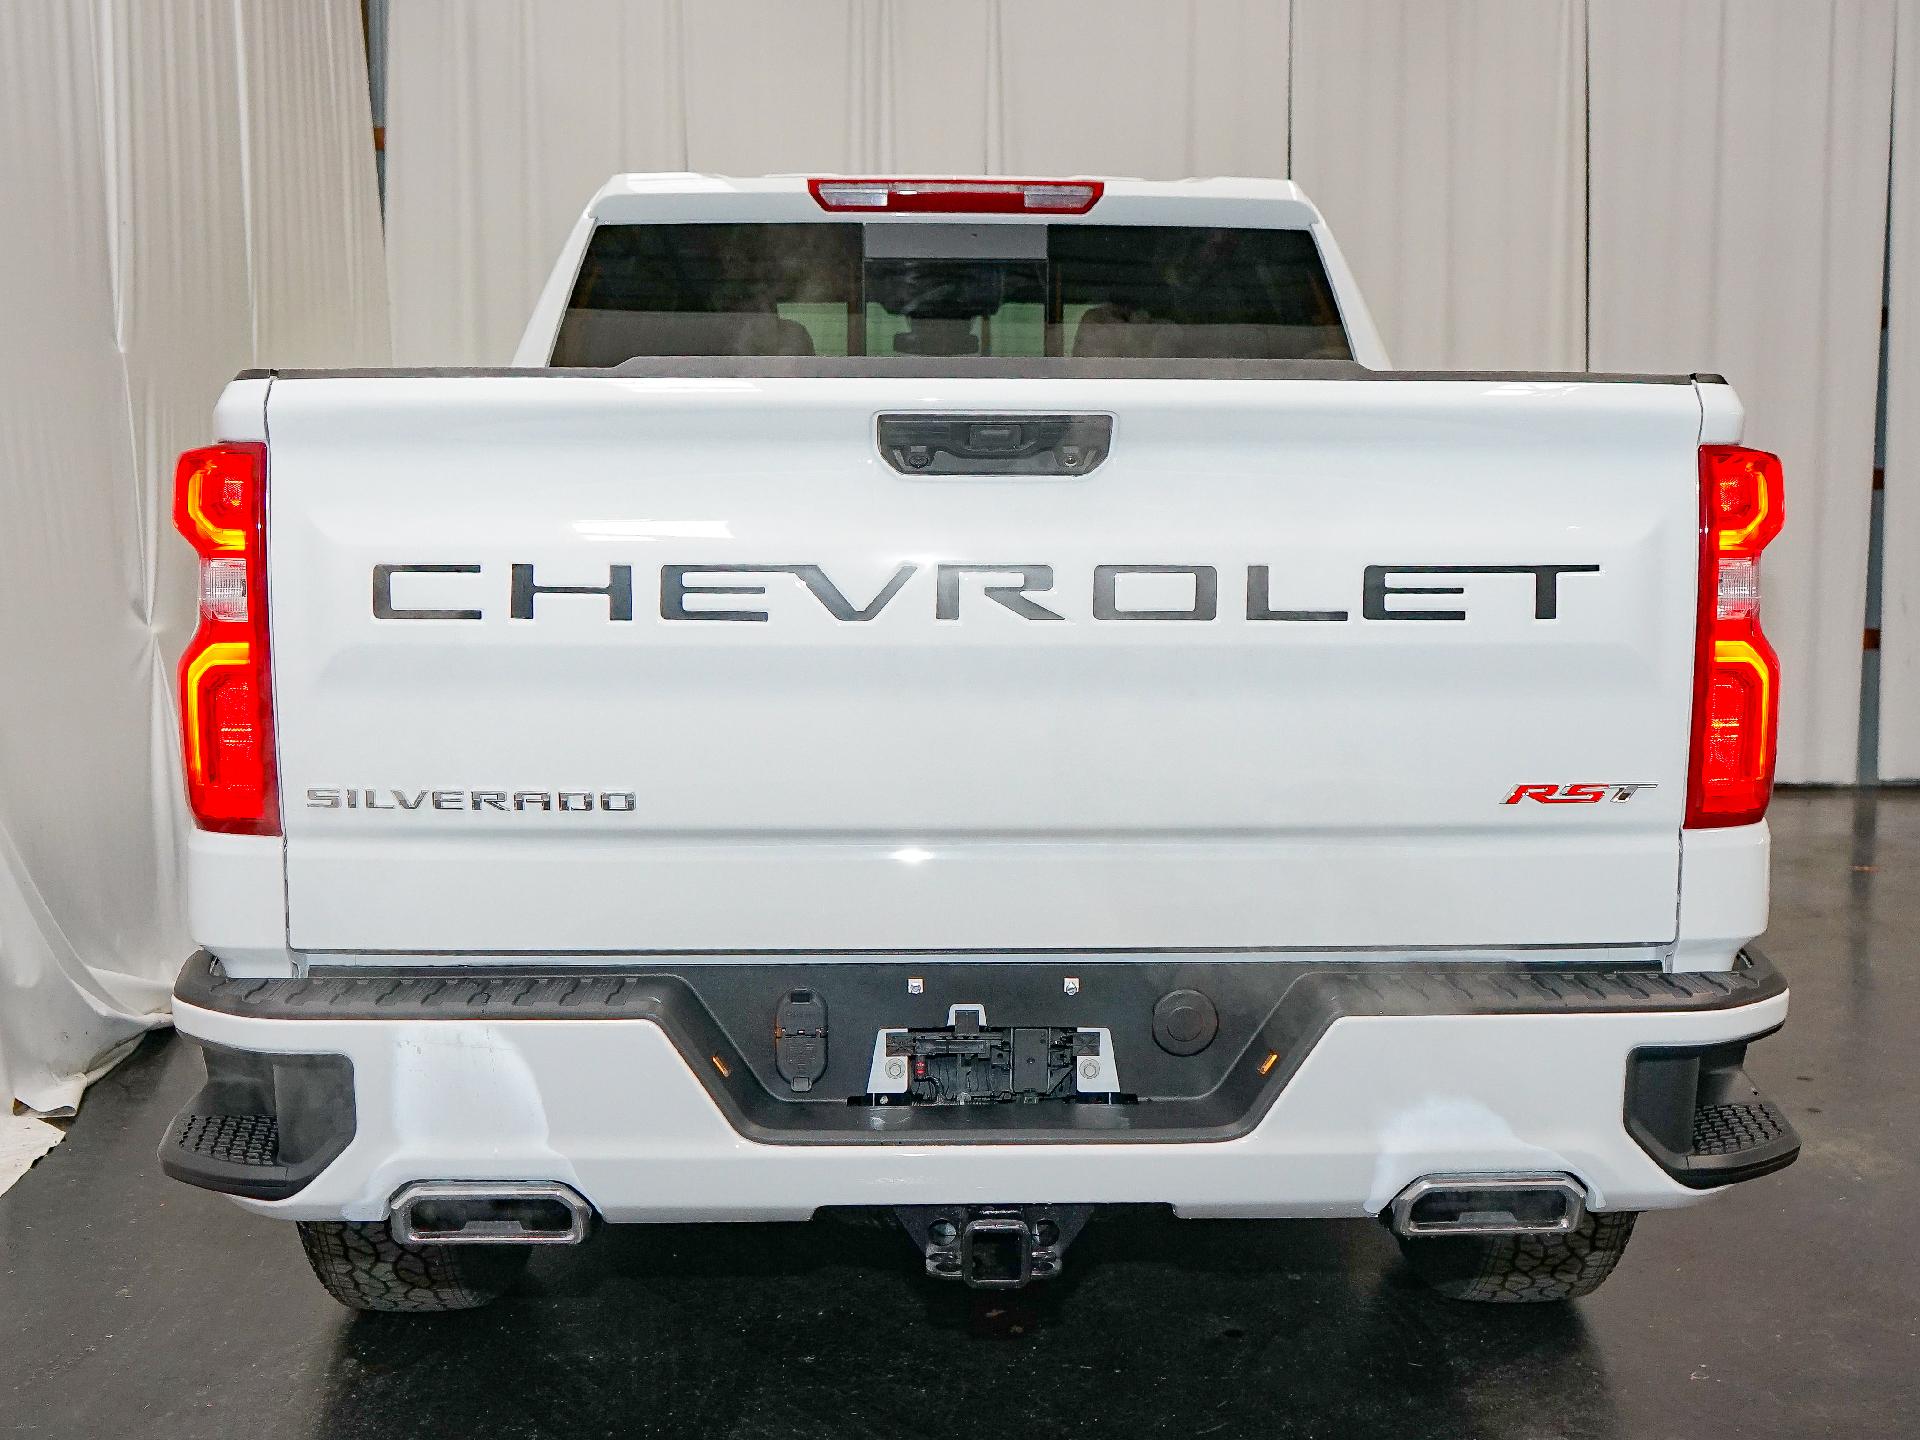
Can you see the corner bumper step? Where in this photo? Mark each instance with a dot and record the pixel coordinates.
(1702, 1120)
(263, 1125)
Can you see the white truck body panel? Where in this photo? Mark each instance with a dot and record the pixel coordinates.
(989, 782)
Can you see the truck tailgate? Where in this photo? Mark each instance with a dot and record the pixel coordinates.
(932, 767)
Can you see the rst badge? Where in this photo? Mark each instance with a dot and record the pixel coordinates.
(1573, 794)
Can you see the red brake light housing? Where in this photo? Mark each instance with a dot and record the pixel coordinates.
(1736, 680)
(957, 197)
(226, 704)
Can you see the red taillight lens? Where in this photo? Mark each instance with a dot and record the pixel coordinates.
(226, 709)
(1736, 701)
(959, 197)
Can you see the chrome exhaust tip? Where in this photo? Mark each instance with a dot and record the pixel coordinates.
(489, 1212)
(1505, 1203)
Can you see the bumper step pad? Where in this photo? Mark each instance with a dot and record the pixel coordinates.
(1702, 1120)
(229, 1139)
(1734, 1129)
(263, 1125)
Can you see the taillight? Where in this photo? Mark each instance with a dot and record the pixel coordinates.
(1736, 680)
(959, 197)
(226, 709)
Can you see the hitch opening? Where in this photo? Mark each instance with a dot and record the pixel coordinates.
(996, 1253)
(993, 1247)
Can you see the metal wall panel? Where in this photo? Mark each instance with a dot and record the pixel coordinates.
(1900, 550)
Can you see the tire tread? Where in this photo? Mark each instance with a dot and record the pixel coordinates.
(365, 1268)
(1523, 1269)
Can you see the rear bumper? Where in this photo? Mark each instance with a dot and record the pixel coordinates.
(1329, 1093)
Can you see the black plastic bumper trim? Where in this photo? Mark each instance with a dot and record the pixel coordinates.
(1697, 1115)
(1278, 1012)
(264, 1125)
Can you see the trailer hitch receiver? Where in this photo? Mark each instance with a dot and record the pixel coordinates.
(993, 1247)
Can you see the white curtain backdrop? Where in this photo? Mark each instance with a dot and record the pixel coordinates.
(1900, 552)
(1447, 145)
(504, 117)
(189, 190)
(1739, 185)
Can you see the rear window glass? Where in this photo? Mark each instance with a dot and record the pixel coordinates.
(1098, 291)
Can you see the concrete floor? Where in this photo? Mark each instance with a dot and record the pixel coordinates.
(1788, 1308)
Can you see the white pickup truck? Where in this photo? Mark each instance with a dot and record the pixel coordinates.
(973, 700)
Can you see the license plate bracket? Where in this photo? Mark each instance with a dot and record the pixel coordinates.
(969, 1062)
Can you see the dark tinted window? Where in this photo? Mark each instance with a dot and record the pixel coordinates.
(711, 290)
(1191, 293)
(955, 307)
(1100, 291)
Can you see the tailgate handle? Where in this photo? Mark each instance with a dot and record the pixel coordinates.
(925, 444)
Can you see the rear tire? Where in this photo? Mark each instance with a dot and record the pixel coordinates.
(365, 1268)
(1522, 1269)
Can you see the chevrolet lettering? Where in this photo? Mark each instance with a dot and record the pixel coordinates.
(682, 586)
